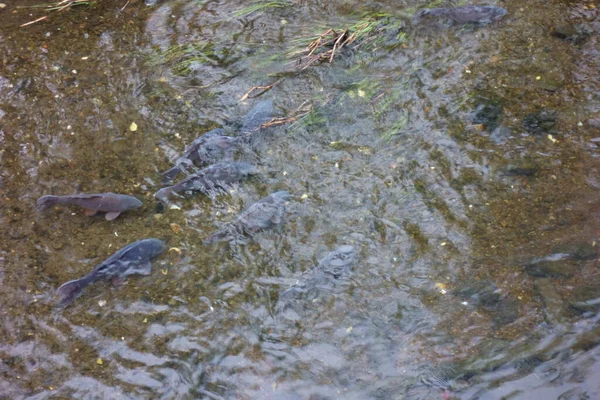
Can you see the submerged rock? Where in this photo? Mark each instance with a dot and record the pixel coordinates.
(540, 122)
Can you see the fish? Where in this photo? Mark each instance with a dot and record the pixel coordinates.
(131, 259)
(110, 203)
(332, 270)
(215, 145)
(211, 147)
(214, 178)
(265, 214)
(260, 114)
(330, 276)
(464, 15)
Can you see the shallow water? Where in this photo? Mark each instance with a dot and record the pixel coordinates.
(459, 162)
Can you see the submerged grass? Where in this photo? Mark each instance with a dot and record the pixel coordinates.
(372, 31)
(260, 6)
(396, 128)
(60, 5)
(181, 57)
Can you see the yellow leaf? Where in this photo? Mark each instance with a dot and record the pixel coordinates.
(99, 361)
(133, 127)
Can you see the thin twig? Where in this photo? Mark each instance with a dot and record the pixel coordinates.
(263, 88)
(122, 8)
(33, 22)
(336, 44)
(299, 113)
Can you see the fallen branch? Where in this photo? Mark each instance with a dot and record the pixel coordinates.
(263, 88)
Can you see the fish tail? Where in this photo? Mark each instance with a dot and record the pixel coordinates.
(171, 174)
(71, 290)
(45, 202)
(422, 12)
(220, 236)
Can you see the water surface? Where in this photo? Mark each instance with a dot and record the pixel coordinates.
(460, 162)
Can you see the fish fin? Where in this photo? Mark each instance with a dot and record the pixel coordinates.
(144, 269)
(71, 290)
(89, 213)
(111, 215)
(171, 174)
(220, 236)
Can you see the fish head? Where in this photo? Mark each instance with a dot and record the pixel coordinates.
(499, 13)
(162, 195)
(131, 202)
(156, 247)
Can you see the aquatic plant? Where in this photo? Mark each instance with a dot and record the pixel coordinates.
(370, 31)
(396, 128)
(259, 6)
(56, 6)
(181, 57)
(59, 5)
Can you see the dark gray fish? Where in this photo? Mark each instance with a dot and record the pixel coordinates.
(261, 113)
(209, 148)
(265, 214)
(464, 15)
(110, 203)
(212, 179)
(131, 259)
(333, 271)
